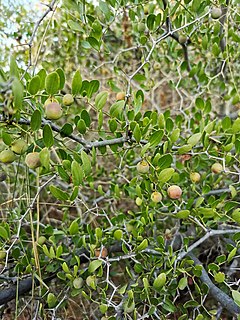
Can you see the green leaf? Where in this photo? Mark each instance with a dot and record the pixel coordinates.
(36, 120)
(101, 100)
(76, 83)
(150, 21)
(94, 265)
(236, 297)
(42, 76)
(185, 148)
(165, 161)
(7, 139)
(75, 26)
(66, 130)
(52, 83)
(77, 173)
(194, 139)
(156, 138)
(95, 44)
(17, 89)
(14, 72)
(199, 103)
(92, 87)
(44, 156)
(160, 281)
(74, 228)
(3, 233)
(86, 117)
(116, 109)
(34, 85)
(232, 254)
(183, 283)
(58, 193)
(74, 194)
(137, 133)
(81, 126)
(236, 126)
(61, 74)
(87, 168)
(182, 214)
(65, 268)
(165, 175)
(48, 136)
(175, 135)
(51, 300)
(143, 245)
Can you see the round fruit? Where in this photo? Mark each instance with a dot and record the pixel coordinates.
(41, 240)
(103, 252)
(195, 177)
(32, 160)
(182, 39)
(50, 100)
(67, 99)
(217, 167)
(3, 176)
(143, 166)
(53, 111)
(156, 196)
(2, 255)
(216, 13)
(174, 192)
(7, 156)
(19, 146)
(120, 96)
(118, 234)
(138, 201)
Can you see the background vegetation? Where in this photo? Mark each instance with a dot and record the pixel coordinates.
(120, 177)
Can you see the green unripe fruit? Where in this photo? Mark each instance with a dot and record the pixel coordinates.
(156, 197)
(3, 176)
(19, 146)
(219, 277)
(217, 168)
(118, 234)
(53, 111)
(138, 201)
(143, 166)
(2, 255)
(78, 283)
(174, 192)
(182, 39)
(160, 281)
(195, 177)
(7, 156)
(67, 99)
(120, 96)
(41, 240)
(32, 160)
(216, 13)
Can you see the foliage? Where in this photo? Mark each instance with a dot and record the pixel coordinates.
(127, 192)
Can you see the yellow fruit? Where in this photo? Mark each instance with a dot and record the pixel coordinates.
(143, 166)
(156, 196)
(195, 177)
(217, 167)
(7, 156)
(120, 96)
(53, 111)
(67, 99)
(174, 192)
(19, 146)
(32, 160)
(216, 13)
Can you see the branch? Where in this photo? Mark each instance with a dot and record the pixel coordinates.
(217, 294)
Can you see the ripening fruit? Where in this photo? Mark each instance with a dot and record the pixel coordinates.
(103, 252)
(67, 99)
(156, 196)
(7, 156)
(174, 192)
(216, 13)
(120, 96)
(32, 160)
(49, 100)
(182, 39)
(143, 166)
(217, 167)
(195, 177)
(138, 201)
(53, 111)
(19, 146)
